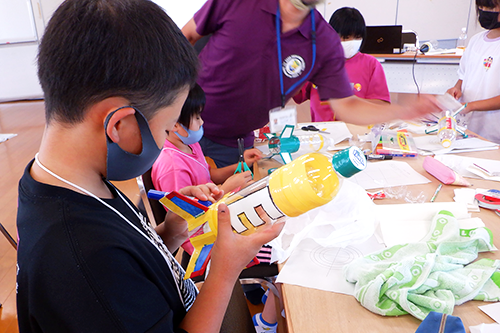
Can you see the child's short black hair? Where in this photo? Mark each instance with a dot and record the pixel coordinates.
(487, 4)
(96, 49)
(348, 22)
(195, 102)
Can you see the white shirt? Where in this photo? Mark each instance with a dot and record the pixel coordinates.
(480, 72)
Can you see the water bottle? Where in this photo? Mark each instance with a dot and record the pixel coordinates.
(462, 40)
(311, 142)
(305, 183)
(447, 130)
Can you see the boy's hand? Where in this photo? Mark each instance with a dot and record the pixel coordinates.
(241, 179)
(207, 192)
(251, 156)
(231, 251)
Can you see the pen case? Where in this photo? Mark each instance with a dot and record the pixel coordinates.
(444, 174)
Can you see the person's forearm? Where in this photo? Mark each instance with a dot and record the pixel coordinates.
(208, 310)
(358, 111)
(489, 104)
(219, 175)
(189, 31)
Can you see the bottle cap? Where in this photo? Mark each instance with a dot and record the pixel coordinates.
(349, 161)
(446, 143)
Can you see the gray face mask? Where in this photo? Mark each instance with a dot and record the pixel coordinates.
(122, 165)
(305, 4)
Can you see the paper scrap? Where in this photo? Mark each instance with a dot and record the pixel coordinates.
(5, 137)
(485, 328)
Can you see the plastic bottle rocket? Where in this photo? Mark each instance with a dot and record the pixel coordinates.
(453, 109)
(286, 143)
(447, 132)
(307, 182)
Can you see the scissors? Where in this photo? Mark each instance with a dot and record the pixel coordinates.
(242, 165)
(313, 129)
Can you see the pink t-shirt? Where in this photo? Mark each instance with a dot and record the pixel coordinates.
(175, 169)
(367, 79)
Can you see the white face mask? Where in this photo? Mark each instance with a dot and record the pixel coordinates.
(351, 47)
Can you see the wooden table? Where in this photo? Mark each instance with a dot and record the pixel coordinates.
(312, 310)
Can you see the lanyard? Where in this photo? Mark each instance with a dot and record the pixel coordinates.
(165, 252)
(278, 37)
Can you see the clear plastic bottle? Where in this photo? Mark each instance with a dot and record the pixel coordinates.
(305, 183)
(312, 142)
(447, 132)
(462, 41)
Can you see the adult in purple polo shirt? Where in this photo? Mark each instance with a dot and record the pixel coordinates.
(241, 71)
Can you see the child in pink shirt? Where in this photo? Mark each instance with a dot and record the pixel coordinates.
(182, 163)
(365, 72)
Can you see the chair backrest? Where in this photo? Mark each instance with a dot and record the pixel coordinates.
(155, 210)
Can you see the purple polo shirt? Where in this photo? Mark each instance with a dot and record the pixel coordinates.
(240, 67)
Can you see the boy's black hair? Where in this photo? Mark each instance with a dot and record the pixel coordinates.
(195, 102)
(96, 49)
(348, 22)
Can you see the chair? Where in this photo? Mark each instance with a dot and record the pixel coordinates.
(11, 240)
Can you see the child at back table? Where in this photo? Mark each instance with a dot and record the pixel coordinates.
(365, 73)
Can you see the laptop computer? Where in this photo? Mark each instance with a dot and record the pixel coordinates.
(382, 39)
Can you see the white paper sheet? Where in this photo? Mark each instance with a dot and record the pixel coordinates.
(492, 310)
(314, 266)
(388, 173)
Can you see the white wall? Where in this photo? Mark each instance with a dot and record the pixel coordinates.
(431, 19)
(181, 11)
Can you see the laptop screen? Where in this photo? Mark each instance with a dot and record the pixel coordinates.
(382, 39)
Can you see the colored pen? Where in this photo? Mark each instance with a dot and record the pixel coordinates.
(436, 193)
(378, 157)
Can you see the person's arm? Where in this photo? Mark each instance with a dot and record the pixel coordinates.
(189, 31)
(456, 90)
(358, 111)
(230, 254)
(489, 104)
(220, 175)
